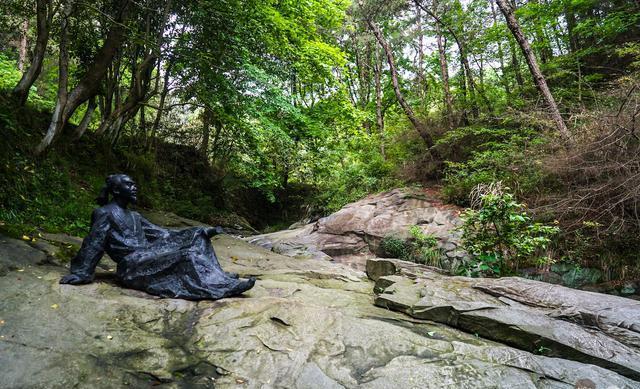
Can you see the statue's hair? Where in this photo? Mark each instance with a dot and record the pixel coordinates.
(110, 183)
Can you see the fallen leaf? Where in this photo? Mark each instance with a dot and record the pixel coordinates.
(55, 306)
(24, 237)
(431, 333)
(1, 322)
(109, 337)
(20, 270)
(239, 381)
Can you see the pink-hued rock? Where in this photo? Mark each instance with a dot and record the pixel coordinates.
(358, 228)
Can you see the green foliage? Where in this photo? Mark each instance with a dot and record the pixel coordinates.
(502, 237)
(480, 155)
(9, 73)
(9, 77)
(419, 248)
(394, 247)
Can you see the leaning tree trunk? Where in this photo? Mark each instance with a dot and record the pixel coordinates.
(57, 119)
(86, 119)
(417, 125)
(89, 85)
(538, 78)
(163, 97)
(44, 16)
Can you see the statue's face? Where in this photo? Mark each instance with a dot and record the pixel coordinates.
(127, 190)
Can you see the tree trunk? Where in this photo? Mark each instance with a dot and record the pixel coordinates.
(377, 73)
(464, 60)
(417, 125)
(88, 86)
(137, 94)
(515, 64)
(570, 17)
(503, 75)
(444, 73)
(57, 118)
(206, 131)
(44, 16)
(86, 119)
(163, 96)
(538, 78)
(422, 85)
(22, 48)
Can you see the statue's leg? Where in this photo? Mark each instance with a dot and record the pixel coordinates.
(240, 287)
(210, 253)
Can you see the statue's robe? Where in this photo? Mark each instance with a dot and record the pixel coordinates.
(166, 263)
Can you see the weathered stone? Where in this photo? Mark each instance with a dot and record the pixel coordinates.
(358, 228)
(306, 324)
(576, 325)
(378, 267)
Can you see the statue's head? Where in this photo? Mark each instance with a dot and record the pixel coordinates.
(121, 187)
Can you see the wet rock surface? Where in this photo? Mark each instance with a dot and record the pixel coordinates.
(306, 324)
(353, 234)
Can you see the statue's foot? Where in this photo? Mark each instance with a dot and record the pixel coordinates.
(232, 274)
(248, 283)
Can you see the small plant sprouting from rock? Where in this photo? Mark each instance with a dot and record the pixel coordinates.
(419, 248)
(500, 235)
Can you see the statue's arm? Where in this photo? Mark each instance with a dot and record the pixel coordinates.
(153, 232)
(83, 265)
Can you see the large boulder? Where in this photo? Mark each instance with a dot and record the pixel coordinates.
(357, 229)
(553, 320)
(306, 324)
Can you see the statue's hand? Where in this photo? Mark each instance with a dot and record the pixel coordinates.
(211, 231)
(73, 279)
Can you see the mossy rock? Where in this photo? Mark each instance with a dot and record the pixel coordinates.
(581, 276)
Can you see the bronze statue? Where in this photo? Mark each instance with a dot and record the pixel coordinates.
(162, 262)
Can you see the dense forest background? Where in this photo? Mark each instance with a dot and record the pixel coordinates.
(266, 112)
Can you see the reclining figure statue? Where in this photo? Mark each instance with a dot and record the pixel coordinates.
(166, 263)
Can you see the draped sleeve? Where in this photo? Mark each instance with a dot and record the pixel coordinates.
(84, 263)
(153, 232)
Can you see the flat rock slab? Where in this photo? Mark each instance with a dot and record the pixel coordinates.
(306, 324)
(530, 315)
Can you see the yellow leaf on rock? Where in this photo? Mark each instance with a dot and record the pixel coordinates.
(24, 237)
(54, 306)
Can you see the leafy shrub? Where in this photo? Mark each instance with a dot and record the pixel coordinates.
(484, 155)
(500, 235)
(419, 248)
(394, 247)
